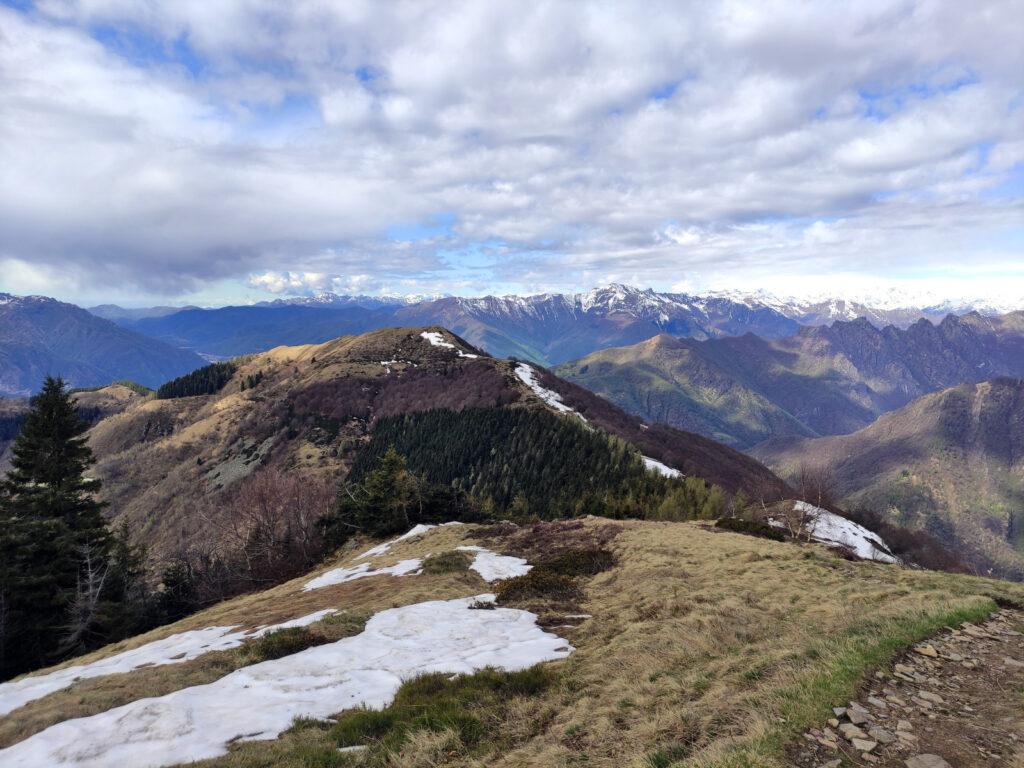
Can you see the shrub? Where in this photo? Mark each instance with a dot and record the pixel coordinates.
(280, 643)
(581, 562)
(751, 528)
(539, 584)
(452, 561)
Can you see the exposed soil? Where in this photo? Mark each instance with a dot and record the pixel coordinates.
(956, 700)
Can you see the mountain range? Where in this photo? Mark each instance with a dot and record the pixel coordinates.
(546, 328)
(950, 462)
(315, 410)
(823, 380)
(41, 336)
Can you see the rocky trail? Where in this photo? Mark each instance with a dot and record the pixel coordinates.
(956, 701)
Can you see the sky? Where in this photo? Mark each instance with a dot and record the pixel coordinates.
(204, 152)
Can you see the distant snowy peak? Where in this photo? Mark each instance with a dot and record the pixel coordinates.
(328, 299)
(892, 307)
(665, 310)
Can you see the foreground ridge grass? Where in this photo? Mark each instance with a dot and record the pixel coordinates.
(809, 699)
(695, 647)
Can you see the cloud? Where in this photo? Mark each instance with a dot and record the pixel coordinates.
(163, 147)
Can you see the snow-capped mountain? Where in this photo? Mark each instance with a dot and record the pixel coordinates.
(554, 327)
(329, 299)
(890, 307)
(547, 328)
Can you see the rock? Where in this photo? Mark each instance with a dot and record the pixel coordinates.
(839, 711)
(831, 764)
(903, 669)
(926, 650)
(1008, 662)
(926, 761)
(857, 716)
(833, 722)
(868, 757)
(863, 745)
(904, 725)
(876, 702)
(934, 698)
(881, 735)
(851, 731)
(974, 631)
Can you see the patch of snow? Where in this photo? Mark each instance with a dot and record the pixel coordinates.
(361, 571)
(528, 376)
(416, 530)
(829, 528)
(491, 566)
(262, 700)
(662, 469)
(437, 340)
(174, 649)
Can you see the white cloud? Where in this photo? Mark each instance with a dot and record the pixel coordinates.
(568, 141)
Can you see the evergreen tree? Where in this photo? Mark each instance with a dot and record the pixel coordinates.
(53, 539)
(47, 480)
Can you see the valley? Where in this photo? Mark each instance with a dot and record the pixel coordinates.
(951, 463)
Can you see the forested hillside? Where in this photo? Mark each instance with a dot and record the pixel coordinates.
(532, 462)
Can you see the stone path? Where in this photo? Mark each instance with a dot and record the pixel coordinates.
(956, 701)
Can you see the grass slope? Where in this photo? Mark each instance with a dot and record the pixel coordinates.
(705, 648)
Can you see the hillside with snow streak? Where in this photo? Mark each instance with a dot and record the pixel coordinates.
(261, 701)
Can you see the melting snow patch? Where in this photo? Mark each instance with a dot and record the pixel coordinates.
(361, 571)
(829, 528)
(528, 376)
(174, 649)
(262, 700)
(491, 566)
(413, 532)
(437, 340)
(662, 469)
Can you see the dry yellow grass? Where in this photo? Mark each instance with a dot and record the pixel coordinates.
(705, 648)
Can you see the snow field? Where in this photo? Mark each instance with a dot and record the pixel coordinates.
(491, 566)
(829, 528)
(528, 376)
(261, 701)
(175, 649)
(341, 575)
(437, 340)
(662, 469)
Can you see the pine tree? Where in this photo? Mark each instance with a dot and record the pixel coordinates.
(53, 538)
(50, 457)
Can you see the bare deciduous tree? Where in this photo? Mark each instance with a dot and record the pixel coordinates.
(269, 529)
(82, 614)
(815, 484)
